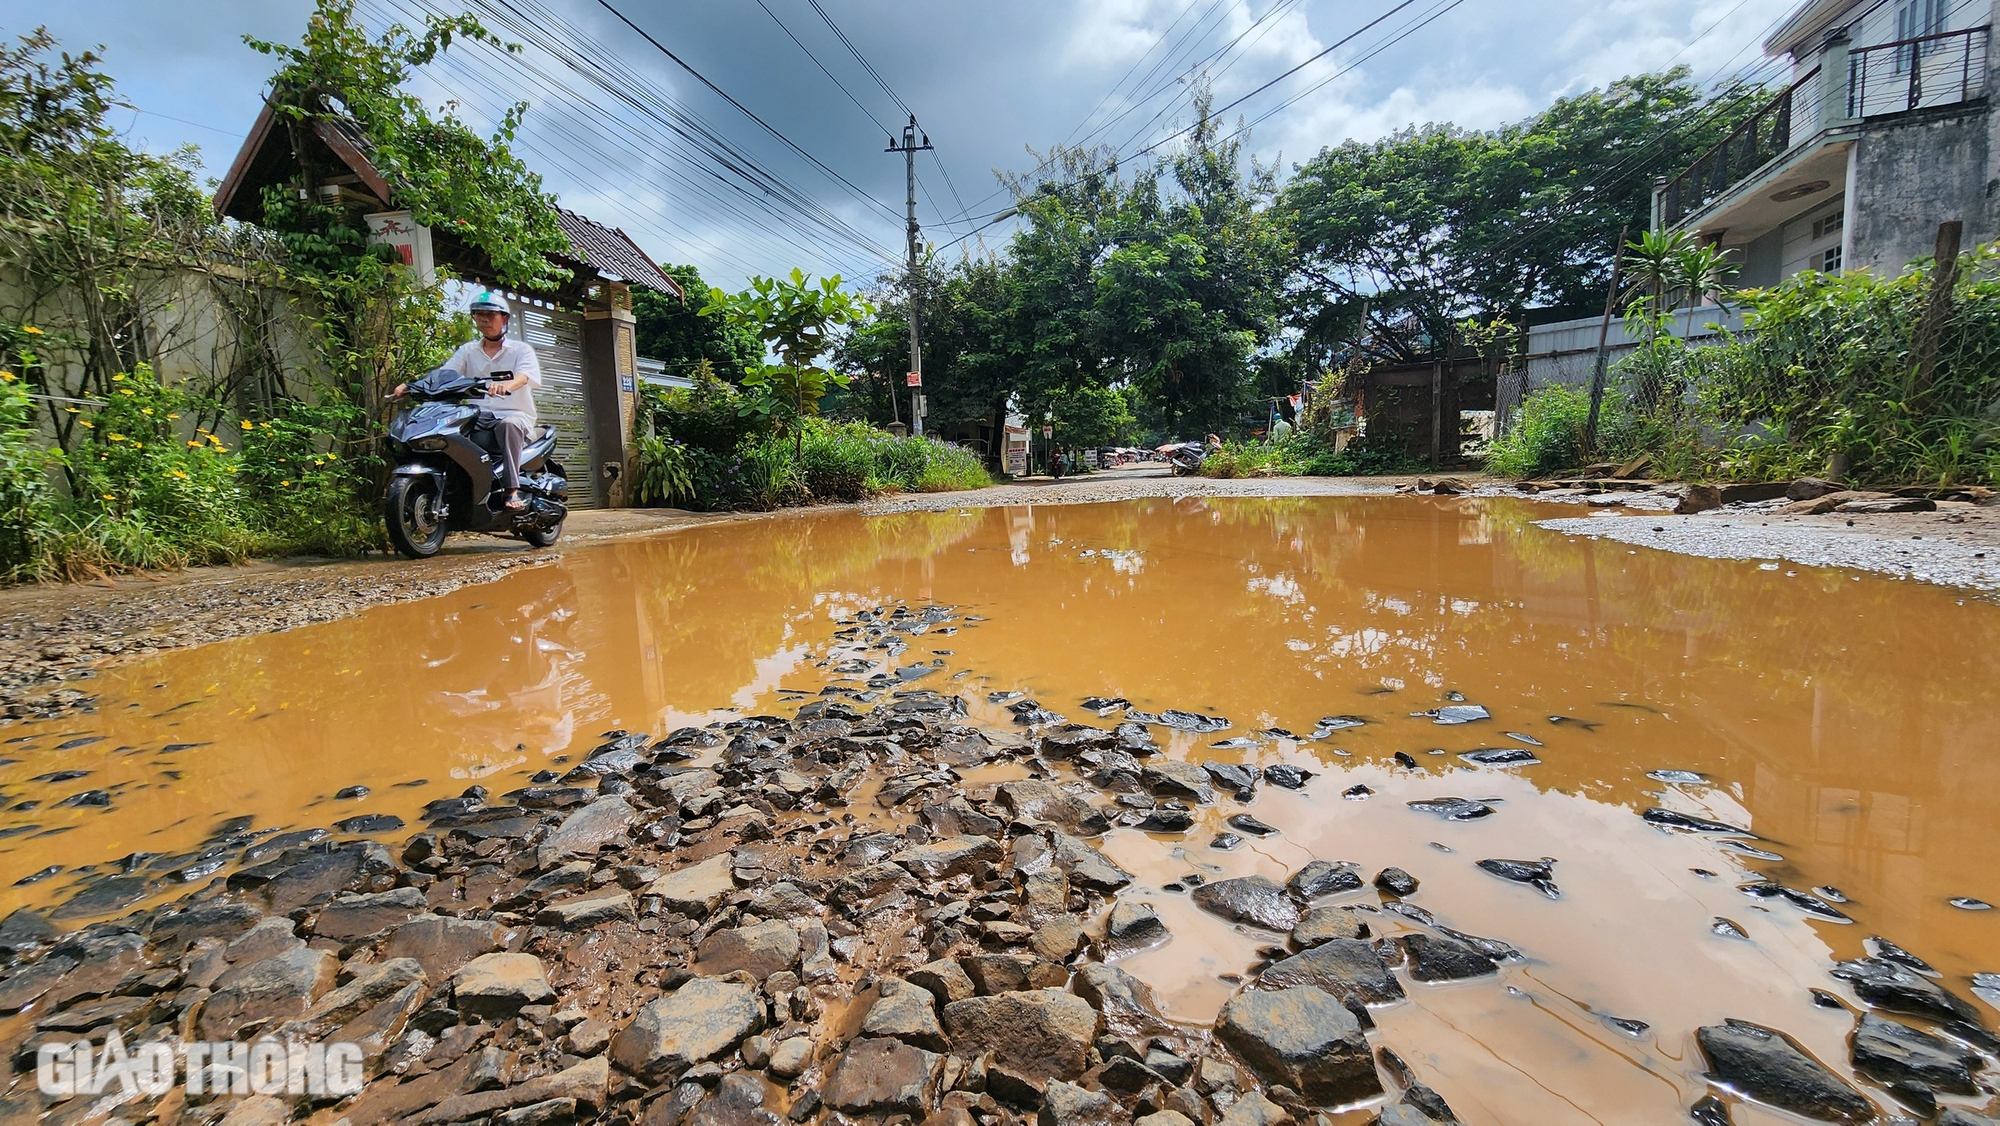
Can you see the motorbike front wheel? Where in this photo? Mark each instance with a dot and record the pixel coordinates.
(413, 512)
(542, 537)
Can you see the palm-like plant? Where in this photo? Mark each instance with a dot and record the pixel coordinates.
(1701, 272)
(1650, 264)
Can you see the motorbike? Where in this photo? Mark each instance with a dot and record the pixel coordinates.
(1185, 457)
(448, 466)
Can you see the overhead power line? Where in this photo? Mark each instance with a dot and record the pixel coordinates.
(860, 58)
(745, 110)
(723, 159)
(865, 111)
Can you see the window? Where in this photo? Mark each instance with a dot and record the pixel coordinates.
(1829, 260)
(1829, 224)
(1914, 20)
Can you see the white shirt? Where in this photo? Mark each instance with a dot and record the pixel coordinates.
(514, 358)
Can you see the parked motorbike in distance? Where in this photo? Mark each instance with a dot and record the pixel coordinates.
(1185, 457)
(447, 471)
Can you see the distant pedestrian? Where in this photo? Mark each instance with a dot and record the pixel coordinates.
(1280, 430)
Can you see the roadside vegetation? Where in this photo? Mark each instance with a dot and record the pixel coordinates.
(709, 450)
(1854, 376)
(135, 435)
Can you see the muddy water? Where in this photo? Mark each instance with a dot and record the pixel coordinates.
(1845, 720)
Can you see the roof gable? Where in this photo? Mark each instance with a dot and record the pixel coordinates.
(266, 158)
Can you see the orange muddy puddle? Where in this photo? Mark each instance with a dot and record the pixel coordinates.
(1845, 720)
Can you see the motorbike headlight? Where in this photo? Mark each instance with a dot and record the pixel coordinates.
(428, 444)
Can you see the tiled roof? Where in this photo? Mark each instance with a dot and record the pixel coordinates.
(609, 250)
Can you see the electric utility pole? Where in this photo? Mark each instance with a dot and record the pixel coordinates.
(910, 148)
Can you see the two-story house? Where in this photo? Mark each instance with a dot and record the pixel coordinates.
(1884, 131)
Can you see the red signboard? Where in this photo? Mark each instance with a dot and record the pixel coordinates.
(916, 379)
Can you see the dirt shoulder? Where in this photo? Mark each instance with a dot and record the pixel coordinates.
(52, 635)
(1958, 545)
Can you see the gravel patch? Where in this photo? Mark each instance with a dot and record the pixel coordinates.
(1952, 547)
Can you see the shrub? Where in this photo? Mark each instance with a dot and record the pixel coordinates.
(1304, 454)
(666, 475)
(27, 503)
(1546, 435)
(709, 416)
(838, 460)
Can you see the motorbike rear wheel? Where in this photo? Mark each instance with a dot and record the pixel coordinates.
(413, 513)
(543, 537)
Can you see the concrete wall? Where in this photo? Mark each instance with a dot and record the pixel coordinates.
(210, 331)
(1566, 352)
(1912, 174)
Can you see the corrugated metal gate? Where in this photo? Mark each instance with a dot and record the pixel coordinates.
(557, 338)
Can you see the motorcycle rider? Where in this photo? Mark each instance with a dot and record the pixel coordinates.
(511, 372)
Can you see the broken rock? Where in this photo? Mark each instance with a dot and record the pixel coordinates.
(883, 1076)
(277, 988)
(1303, 1039)
(1342, 967)
(1042, 1034)
(760, 950)
(1257, 900)
(1770, 1067)
(497, 985)
(701, 1020)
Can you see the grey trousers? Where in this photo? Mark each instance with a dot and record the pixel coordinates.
(513, 431)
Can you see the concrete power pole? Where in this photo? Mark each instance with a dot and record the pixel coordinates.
(910, 148)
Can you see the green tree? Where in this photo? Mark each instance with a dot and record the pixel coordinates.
(969, 373)
(1437, 223)
(796, 320)
(469, 188)
(674, 331)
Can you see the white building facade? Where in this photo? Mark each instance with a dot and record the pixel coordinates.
(1883, 133)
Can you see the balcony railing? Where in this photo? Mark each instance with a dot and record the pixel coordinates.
(1890, 78)
(1767, 134)
(1921, 73)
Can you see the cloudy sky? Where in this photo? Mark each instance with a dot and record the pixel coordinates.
(625, 135)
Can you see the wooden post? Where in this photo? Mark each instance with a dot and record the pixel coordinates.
(1937, 307)
(1603, 341)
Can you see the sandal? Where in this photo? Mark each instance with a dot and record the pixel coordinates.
(514, 501)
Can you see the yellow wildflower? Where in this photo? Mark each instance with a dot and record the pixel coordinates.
(248, 425)
(31, 330)
(330, 455)
(6, 377)
(118, 378)
(108, 496)
(181, 475)
(145, 410)
(194, 445)
(117, 437)
(125, 391)
(87, 424)
(286, 484)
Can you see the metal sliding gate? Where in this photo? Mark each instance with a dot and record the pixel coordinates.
(557, 338)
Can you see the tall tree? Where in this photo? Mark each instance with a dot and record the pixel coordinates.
(1436, 223)
(674, 331)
